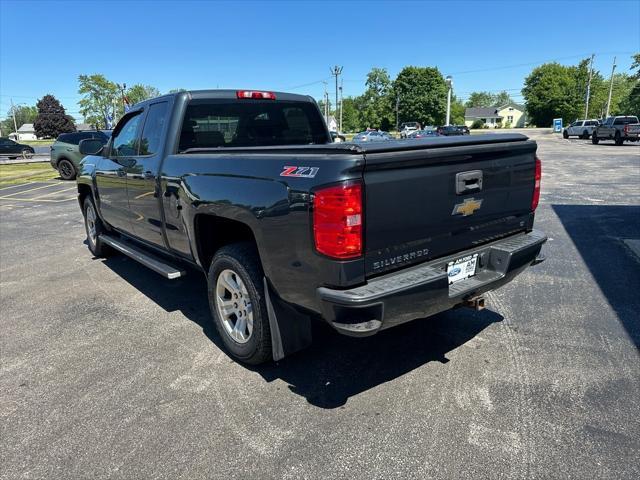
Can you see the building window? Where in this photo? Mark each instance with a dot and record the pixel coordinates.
(510, 118)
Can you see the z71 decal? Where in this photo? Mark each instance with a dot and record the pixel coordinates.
(299, 172)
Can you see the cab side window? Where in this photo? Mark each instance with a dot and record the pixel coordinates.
(125, 143)
(153, 128)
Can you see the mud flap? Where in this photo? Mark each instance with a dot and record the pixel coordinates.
(290, 329)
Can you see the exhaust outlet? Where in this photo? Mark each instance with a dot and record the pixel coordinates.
(475, 303)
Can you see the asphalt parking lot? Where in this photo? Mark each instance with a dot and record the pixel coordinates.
(108, 370)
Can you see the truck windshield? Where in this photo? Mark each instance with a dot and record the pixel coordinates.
(250, 123)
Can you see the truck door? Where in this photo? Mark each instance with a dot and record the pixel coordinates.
(111, 173)
(142, 184)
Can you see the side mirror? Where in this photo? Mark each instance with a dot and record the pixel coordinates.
(90, 146)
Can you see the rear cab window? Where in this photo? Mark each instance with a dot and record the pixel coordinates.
(219, 123)
(625, 120)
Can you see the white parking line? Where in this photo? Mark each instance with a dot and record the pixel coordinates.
(53, 193)
(33, 189)
(2, 189)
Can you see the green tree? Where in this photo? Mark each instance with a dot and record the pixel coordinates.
(377, 104)
(488, 99)
(553, 91)
(457, 111)
(23, 113)
(630, 104)
(351, 121)
(422, 94)
(52, 119)
(480, 99)
(139, 93)
(100, 97)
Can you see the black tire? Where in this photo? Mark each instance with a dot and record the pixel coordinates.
(96, 245)
(26, 153)
(66, 169)
(618, 139)
(594, 138)
(565, 134)
(585, 135)
(242, 260)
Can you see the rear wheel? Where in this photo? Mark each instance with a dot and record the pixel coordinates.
(594, 138)
(585, 135)
(66, 169)
(618, 139)
(237, 303)
(93, 226)
(26, 153)
(565, 134)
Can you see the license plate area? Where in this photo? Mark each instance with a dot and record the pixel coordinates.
(462, 268)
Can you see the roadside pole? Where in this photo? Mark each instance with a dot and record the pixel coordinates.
(397, 110)
(15, 124)
(336, 71)
(450, 85)
(341, 105)
(611, 87)
(586, 106)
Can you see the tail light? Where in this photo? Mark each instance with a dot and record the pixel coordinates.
(626, 129)
(256, 95)
(536, 186)
(337, 220)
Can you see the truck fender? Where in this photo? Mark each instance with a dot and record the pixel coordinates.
(290, 329)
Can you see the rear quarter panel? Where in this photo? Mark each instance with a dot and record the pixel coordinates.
(249, 188)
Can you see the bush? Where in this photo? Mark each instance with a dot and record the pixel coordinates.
(477, 124)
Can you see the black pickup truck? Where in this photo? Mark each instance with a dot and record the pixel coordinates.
(288, 227)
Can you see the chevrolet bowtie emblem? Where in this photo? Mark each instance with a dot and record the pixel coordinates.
(466, 208)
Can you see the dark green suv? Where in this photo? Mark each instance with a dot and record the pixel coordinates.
(65, 155)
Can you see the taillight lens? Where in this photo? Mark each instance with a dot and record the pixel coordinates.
(337, 220)
(536, 186)
(255, 95)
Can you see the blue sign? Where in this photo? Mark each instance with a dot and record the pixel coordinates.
(557, 125)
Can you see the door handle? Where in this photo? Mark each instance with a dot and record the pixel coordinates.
(467, 182)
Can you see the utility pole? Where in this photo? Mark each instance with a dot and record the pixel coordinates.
(586, 106)
(15, 124)
(326, 103)
(610, 87)
(397, 112)
(336, 71)
(341, 104)
(450, 85)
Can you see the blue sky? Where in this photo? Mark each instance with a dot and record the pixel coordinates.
(290, 46)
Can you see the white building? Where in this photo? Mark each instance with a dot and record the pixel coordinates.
(25, 132)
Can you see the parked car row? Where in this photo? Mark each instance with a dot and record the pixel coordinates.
(620, 129)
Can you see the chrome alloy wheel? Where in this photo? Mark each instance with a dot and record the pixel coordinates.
(90, 222)
(234, 306)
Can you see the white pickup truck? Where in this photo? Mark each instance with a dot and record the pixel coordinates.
(580, 128)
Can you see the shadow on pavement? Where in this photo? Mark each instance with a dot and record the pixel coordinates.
(335, 367)
(597, 232)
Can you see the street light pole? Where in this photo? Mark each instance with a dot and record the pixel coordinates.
(611, 86)
(450, 85)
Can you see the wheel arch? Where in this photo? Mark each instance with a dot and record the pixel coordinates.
(213, 232)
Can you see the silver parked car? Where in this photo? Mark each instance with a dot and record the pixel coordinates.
(580, 128)
(371, 136)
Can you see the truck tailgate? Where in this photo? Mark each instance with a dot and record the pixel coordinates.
(437, 198)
